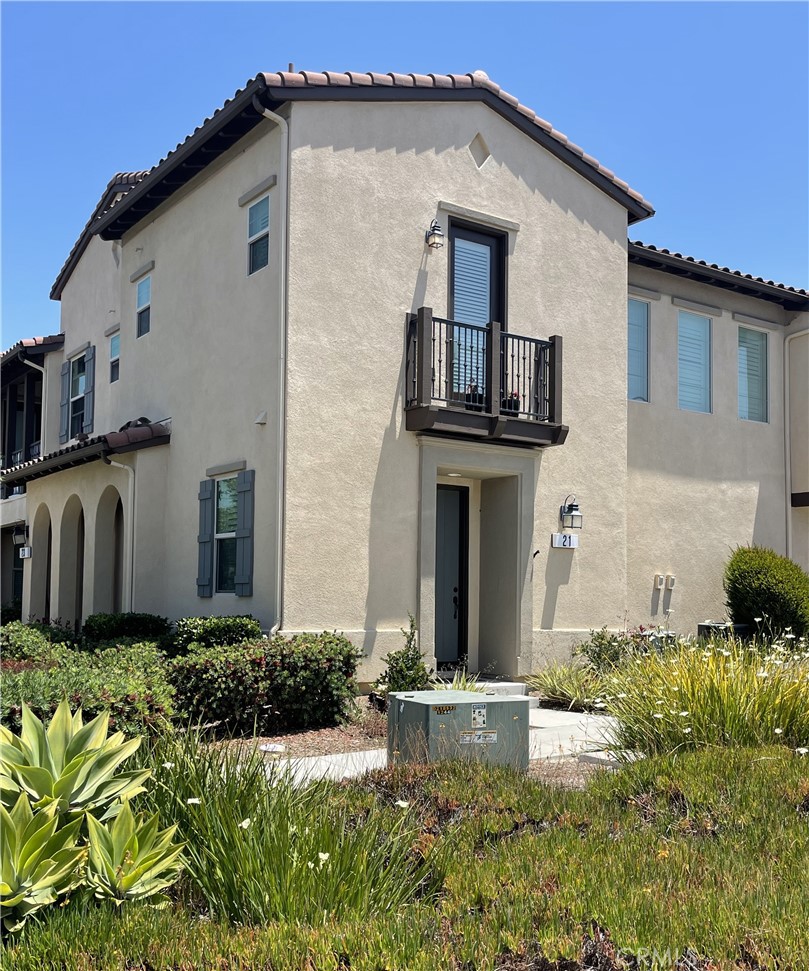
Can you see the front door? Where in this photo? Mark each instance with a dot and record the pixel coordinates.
(451, 572)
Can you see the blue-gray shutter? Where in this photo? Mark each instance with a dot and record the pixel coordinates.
(205, 540)
(245, 482)
(89, 389)
(64, 405)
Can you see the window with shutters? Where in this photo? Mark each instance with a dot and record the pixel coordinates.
(225, 538)
(77, 396)
(694, 362)
(753, 396)
(258, 234)
(638, 351)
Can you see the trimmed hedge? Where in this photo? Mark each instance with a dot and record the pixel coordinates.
(131, 682)
(109, 627)
(306, 682)
(215, 631)
(759, 583)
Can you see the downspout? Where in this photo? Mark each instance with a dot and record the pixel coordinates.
(44, 416)
(130, 527)
(788, 441)
(282, 367)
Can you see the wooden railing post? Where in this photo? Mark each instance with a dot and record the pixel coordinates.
(424, 359)
(555, 381)
(493, 366)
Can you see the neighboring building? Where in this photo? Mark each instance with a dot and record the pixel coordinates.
(251, 407)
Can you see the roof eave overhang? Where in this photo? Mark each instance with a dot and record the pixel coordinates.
(55, 343)
(239, 117)
(725, 279)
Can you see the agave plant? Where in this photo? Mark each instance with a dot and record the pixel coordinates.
(131, 859)
(71, 765)
(40, 862)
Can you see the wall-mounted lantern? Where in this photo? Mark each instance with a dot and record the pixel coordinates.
(569, 514)
(19, 534)
(434, 236)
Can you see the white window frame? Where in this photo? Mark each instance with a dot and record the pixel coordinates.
(76, 397)
(141, 307)
(258, 236)
(115, 359)
(217, 536)
(766, 419)
(645, 303)
(709, 409)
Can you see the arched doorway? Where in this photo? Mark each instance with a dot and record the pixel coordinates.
(109, 553)
(39, 604)
(70, 603)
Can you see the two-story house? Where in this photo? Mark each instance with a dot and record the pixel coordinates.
(359, 347)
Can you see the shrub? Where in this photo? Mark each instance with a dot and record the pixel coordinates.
(24, 642)
(55, 631)
(761, 584)
(305, 682)
(109, 627)
(130, 682)
(215, 631)
(725, 693)
(406, 670)
(10, 611)
(573, 686)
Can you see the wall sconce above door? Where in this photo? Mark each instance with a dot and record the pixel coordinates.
(434, 236)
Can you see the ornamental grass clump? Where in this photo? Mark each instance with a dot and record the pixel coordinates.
(260, 849)
(724, 693)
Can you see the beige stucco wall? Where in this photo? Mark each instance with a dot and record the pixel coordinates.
(700, 484)
(367, 180)
(210, 363)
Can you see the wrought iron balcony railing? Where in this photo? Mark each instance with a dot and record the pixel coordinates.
(482, 381)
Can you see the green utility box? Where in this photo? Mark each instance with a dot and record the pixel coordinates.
(429, 725)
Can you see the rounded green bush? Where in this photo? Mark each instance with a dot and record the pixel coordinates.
(763, 587)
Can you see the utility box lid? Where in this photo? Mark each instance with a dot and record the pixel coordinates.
(429, 725)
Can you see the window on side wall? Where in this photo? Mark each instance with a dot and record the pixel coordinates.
(144, 306)
(225, 535)
(694, 362)
(77, 396)
(115, 355)
(753, 392)
(258, 234)
(638, 351)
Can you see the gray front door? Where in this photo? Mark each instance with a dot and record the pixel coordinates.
(451, 571)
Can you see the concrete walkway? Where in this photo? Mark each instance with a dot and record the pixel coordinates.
(552, 734)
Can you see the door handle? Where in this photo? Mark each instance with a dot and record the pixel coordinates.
(455, 605)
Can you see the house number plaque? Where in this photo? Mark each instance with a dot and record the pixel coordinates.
(567, 541)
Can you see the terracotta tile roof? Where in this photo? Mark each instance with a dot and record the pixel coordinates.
(664, 259)
(49, 343)
(121, 182)
(238, 115)
(127, 439)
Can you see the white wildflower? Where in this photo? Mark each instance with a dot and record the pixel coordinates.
(310, 865)
(323, 857)
(683, 714)
(779, 731)
(245, 823)
(802, 751)
(402, 804)
(758, 619)
(168, 765)
(686, 731)
(657, 715)
(193, 801)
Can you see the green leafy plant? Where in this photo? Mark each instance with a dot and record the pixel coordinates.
(131, 859)
(40, 862)
(130, 682)
(573, 686)
(763, 587)
(109, 627)
(71, 766)
(304, 682)
(215, 631)
(20, 641)
(406, 670)
(462, 680)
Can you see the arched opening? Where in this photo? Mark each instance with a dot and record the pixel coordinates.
(70, 601)
(108, 563)
(39, 603)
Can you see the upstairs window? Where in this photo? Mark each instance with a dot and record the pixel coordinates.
(144, 306)
(77, 396)
(638, 351)
(115, 354)
(753, 403)
(258, 234)
(694, 362)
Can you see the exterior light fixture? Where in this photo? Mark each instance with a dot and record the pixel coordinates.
(434, 236)
(20, 534)
(569, 514)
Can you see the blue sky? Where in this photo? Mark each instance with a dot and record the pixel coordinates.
(702, 107)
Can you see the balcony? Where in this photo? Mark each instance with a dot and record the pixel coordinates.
(482, 382)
